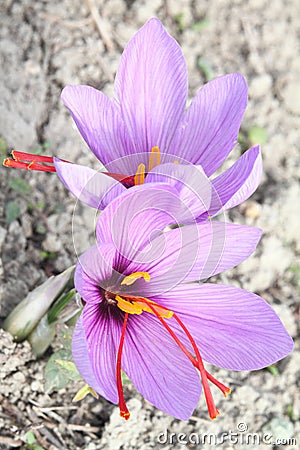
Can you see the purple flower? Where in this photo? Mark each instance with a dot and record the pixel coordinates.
(138, 134)
(145, 312)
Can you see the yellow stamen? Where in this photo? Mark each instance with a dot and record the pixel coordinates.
(139, 176)
(129, 307)
(176, 162)
(154, 159)
(130, 279)
(136, 305)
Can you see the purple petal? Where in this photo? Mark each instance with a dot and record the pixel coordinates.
(91, 187)
(158, 368)
(190, 181)
(103, 331)
(133, 220)
(233, 328)
(212, 122)
(94, 267)
(192, 253)
(151, 86)
(99, 122)
(237, 183)
(81, 357)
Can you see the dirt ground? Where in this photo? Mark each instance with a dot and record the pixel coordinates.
(47, 44)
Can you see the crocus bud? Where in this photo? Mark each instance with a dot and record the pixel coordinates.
(42, 336)
(24, 318)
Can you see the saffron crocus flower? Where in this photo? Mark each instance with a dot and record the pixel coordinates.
(147, 126)
(145, 314)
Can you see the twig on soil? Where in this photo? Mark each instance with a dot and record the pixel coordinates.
(251, 39)
(5, 440)
(68, 23)
(101, 24)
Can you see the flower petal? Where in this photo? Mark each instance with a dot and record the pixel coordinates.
(135, 218)
(237, 183)
(94, 267)
(81, 357)
(151, 86)
(190, 181)
(103, 328)
(99, 122)
(96, 189)
(165, 378)
(194, 252)
(212, 122)
(233, 328)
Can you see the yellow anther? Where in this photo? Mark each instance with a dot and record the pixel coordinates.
(136, 305)
(139, 176)
(129, 307)
(162, 312)
(176, 162)
(154, 159)
(130, 279)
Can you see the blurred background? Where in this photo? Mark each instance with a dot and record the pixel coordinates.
(45, 45)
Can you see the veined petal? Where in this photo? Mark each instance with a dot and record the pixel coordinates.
(102, 328)
(93, 268)
(233, 328)
(152, 207)
(211, 124)
(91, 187)
(151, 86)
(194, 252)
(190, 181)
(81, 357)
(99, 122)
(237, 183)
(158, 368)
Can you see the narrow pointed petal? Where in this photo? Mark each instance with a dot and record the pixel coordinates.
(194, 252)
(93, 268)
(151, 86)
(233, 328)
(152, 207)
(103, 331)
(236, 184)
(98, 120)
(190, 181)
(165, 378)
(81, 357)
(90, 187)
(211, 125)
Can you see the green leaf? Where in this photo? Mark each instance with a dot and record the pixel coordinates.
(3, 150)
(273, 370)
(257, 135)
(59, 305)
(201, 25)
(30, 438)
(206, 68)
(83, 392)
(58, 374)
(12, 211)
(40, 148)
(179, 19)
(67, 365)
(19, 185)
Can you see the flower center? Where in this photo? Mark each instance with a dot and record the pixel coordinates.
(137, 305)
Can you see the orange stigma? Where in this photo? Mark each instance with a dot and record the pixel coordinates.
(27, 161)
(137, 305)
